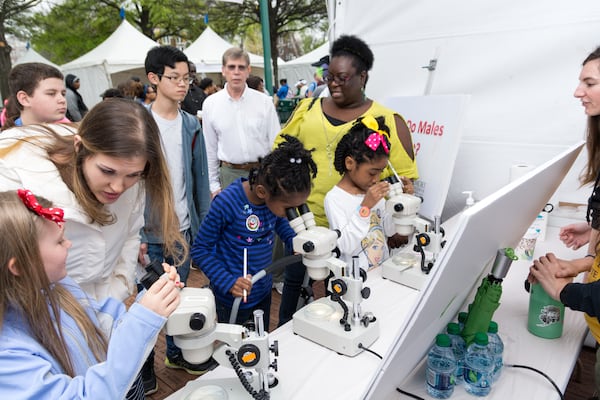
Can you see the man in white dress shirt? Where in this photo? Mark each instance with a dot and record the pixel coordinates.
(240, 124)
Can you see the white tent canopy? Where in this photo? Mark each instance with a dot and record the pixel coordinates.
(116, 59)
(33, 56)
(300, 68)
(207, 53)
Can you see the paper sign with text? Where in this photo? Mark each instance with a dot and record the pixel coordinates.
(435, 123)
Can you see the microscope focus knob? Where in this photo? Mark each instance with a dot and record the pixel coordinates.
(308, 246)
(248, 355)
(339, 287)
(197, 321)
(423, 239)
(365, 293)
(275, 348)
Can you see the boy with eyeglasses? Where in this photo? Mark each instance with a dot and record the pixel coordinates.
(240, 124)
(183, 144)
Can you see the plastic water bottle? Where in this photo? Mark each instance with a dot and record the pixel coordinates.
(459, 348)
(496, 347)
(462, 318)
(441, 367)
(479, 366)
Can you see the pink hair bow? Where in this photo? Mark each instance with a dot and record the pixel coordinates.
(53, 214)
(377, 137)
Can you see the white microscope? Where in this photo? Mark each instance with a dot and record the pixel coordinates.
(197, 333)
(337, 321)
(411, 266)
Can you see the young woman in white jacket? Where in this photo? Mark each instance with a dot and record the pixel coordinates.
(98, 173)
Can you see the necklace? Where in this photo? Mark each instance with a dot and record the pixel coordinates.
(331, 144)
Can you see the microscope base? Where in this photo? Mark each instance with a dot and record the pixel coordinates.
(319, 322)
(220, 388)
(407, 275)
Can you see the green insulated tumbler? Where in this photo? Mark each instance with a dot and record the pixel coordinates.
(546, 315)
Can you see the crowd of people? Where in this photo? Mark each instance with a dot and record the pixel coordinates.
(180, 172)
(302, 89)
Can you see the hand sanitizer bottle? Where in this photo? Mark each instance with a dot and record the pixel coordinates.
(470, 200)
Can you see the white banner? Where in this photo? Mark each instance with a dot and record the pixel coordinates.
(436, 126)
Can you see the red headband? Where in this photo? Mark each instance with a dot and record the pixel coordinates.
(53, 214)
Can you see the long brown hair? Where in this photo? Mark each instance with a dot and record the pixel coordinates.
(122, 128)
(119, 128)
(590, 172)
(30, 293)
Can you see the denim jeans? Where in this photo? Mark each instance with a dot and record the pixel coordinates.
(245, 315)
(156, 252)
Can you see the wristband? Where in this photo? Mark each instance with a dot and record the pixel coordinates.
(364, 211)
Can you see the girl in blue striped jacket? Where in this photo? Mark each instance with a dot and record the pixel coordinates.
(245, 218)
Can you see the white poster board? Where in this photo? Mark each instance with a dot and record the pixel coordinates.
(436, 126)
(496, 222)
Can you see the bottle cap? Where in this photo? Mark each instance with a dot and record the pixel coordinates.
(481, 339)
(462, 316)
(453, 328)
(443, 340)
(493, 328)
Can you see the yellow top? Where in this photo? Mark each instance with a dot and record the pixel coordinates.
(593, 322)
(313, 129)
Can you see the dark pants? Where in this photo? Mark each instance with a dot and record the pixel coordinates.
(245, 315)
(156, 252)
(293, 279)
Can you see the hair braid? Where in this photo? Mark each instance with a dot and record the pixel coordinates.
(287, 169)
(353, 145)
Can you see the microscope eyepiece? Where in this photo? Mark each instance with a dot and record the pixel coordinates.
(304, 209)
(391, 179)
(154, 270)
(291, 213)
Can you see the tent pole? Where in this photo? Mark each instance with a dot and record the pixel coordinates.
(266, 39)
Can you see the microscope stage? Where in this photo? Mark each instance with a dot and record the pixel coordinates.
(220, 388)
(404, 271)
(319, 322)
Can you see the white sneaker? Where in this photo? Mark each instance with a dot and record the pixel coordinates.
(278, 286)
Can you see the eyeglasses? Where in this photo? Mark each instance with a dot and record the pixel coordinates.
(339, 80)
(233, 67)
(177, 80)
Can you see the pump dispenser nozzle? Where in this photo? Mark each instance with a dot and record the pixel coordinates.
(470, 200)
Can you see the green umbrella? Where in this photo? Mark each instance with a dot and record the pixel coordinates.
(487, 298)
